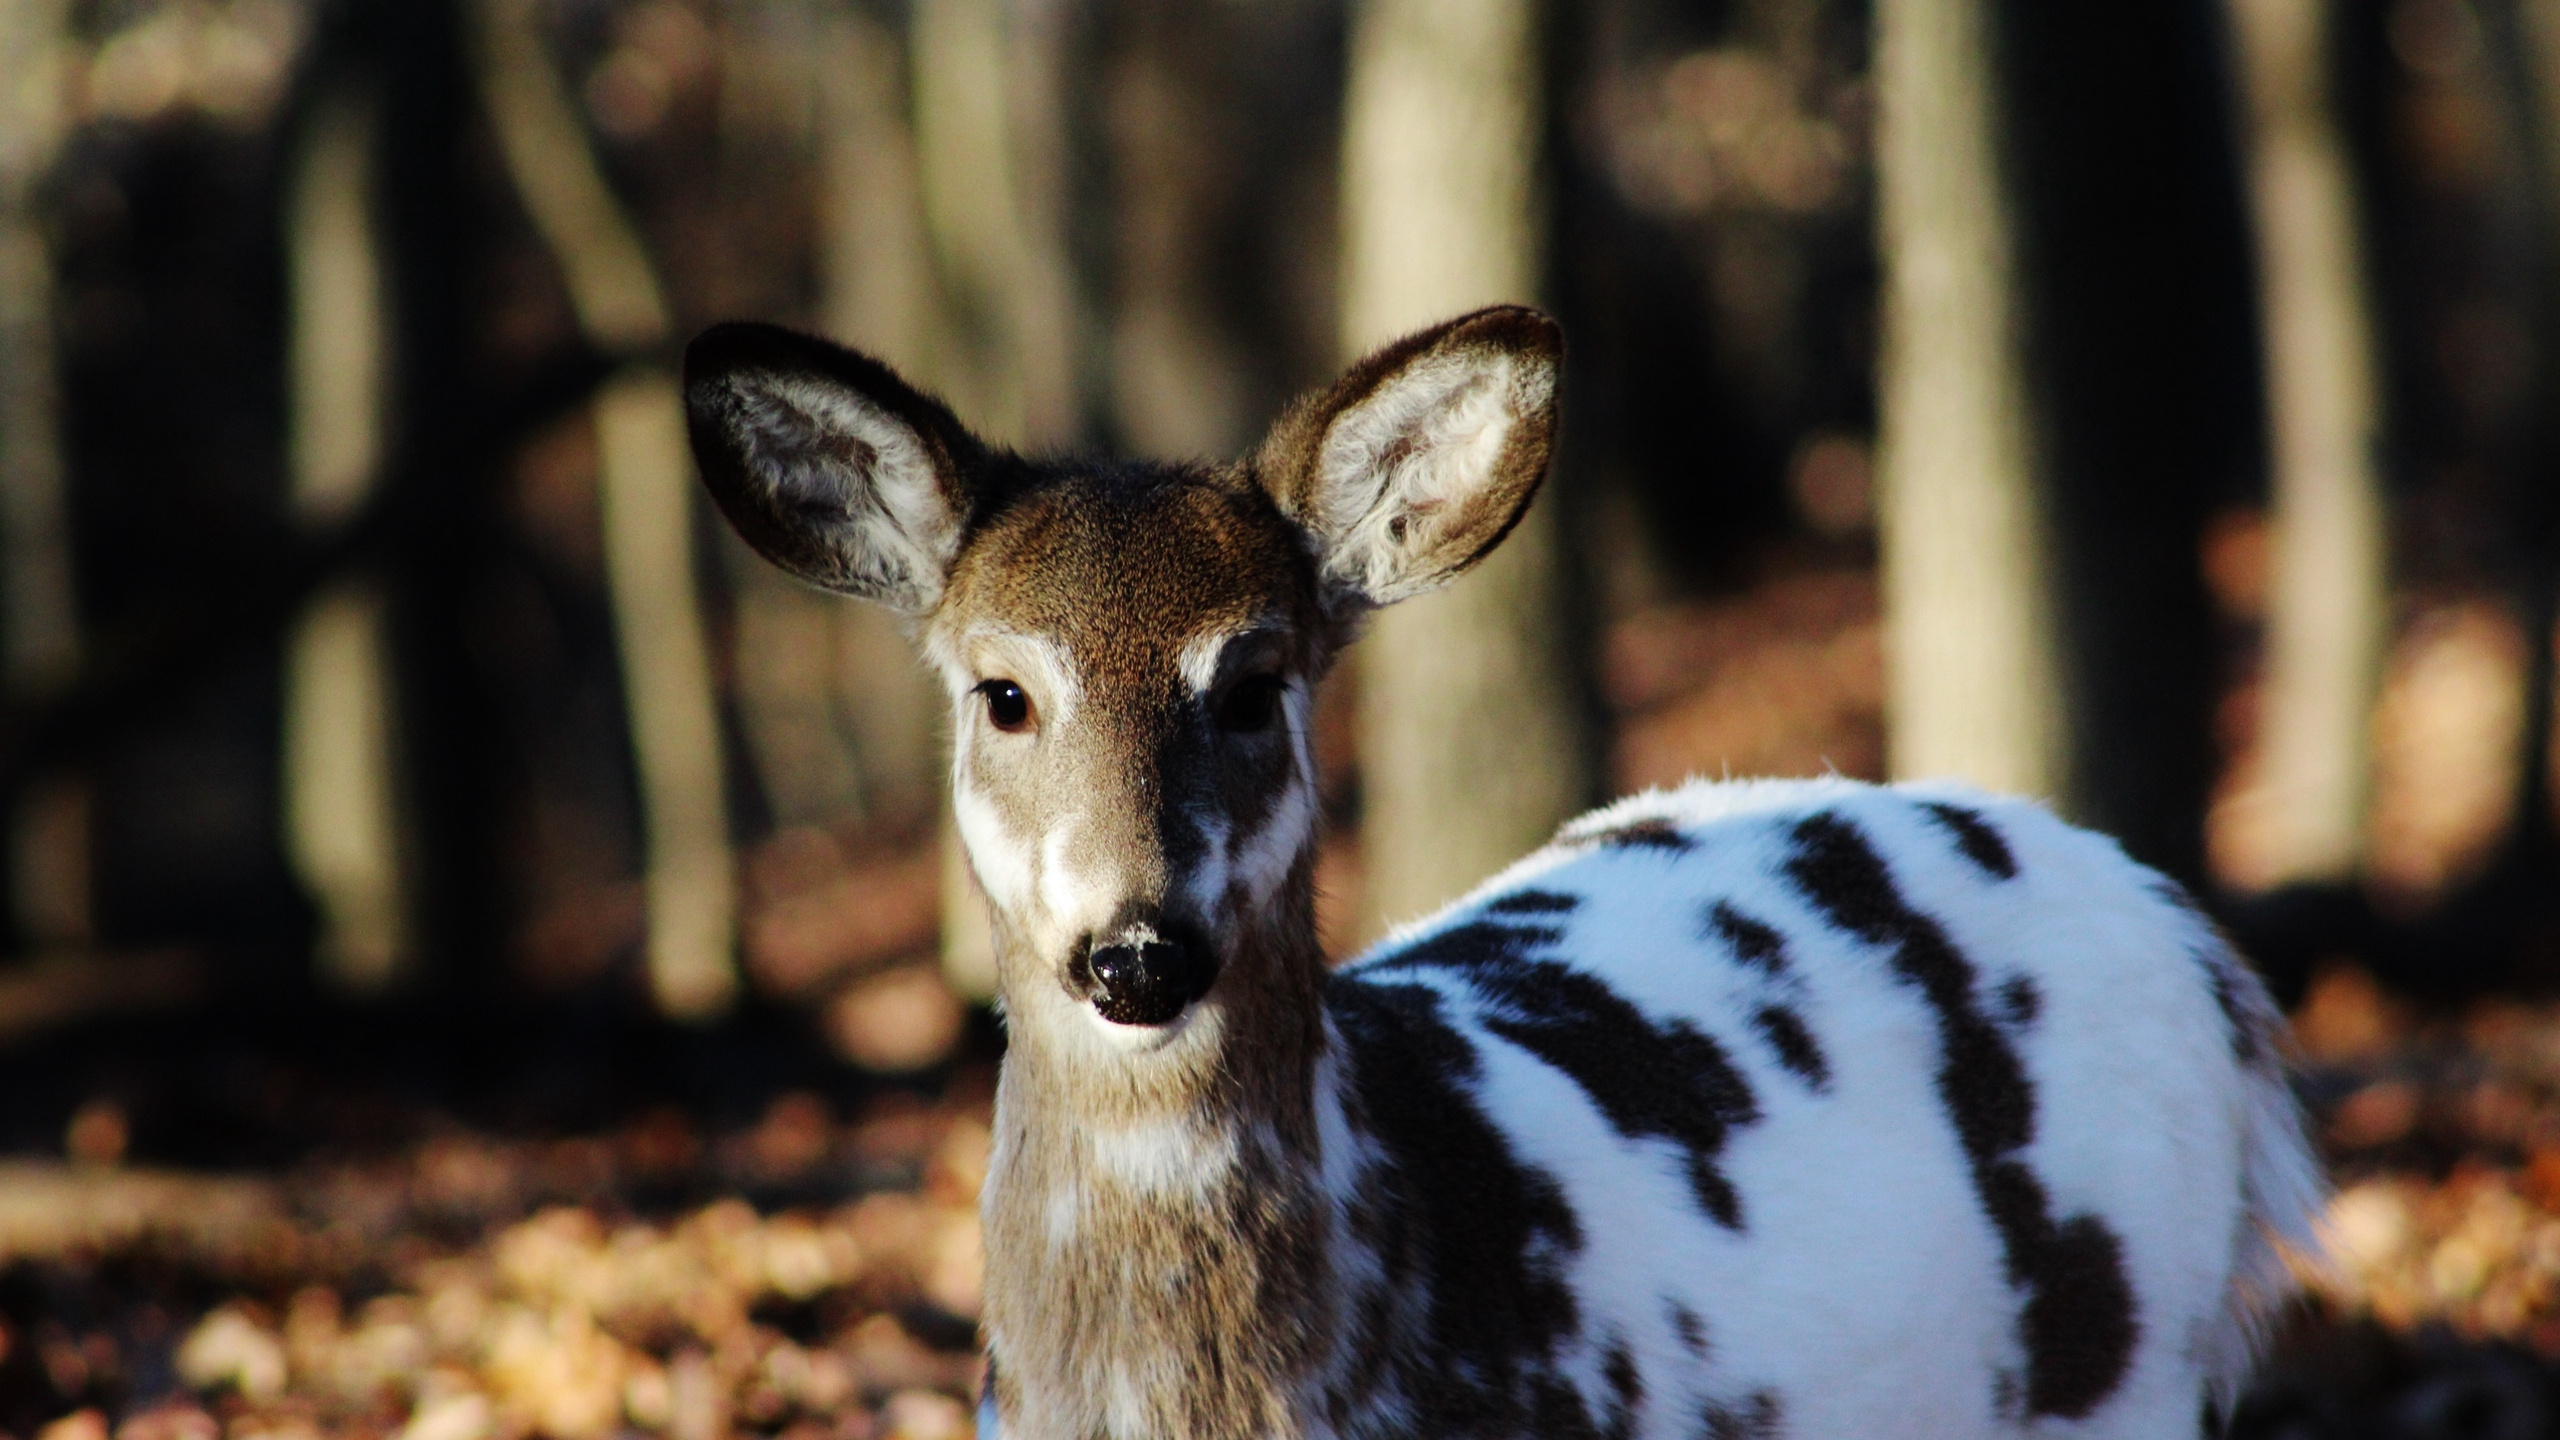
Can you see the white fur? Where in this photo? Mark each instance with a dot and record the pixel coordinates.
(1263, 858)
(1865, 1288)
(1003, 861)
(1041, 664)
(915, 547)
(1414, 450)
(1162, 1156)
(1198, 662)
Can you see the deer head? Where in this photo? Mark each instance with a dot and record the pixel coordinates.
(1130, 648)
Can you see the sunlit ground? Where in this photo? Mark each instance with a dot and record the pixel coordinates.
(810, 1266)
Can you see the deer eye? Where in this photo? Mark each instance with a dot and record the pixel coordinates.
(1008, 708)
(1251, 704)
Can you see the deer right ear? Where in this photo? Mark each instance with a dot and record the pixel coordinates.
(828, 464)
(1424, 455)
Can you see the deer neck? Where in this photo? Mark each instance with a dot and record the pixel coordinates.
(1156, 1231)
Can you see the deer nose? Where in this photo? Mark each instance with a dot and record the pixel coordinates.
(1141, 975)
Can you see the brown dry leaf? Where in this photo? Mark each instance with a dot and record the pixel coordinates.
(2345, 1017)
(897, 1021)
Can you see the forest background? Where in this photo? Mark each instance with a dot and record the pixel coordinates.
(424, 825)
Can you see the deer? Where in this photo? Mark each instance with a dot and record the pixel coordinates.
(1742, 1109)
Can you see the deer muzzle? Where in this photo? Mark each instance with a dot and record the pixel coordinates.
(1146, 973)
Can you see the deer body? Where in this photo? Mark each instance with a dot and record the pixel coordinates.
(1788, 1108)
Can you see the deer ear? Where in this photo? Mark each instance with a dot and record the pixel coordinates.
(1423, 456)
(828, 464)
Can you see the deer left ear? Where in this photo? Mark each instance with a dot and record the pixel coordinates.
(828, 464)
(1423, 456)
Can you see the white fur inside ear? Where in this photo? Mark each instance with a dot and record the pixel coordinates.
(859, 476)
(1399, 468)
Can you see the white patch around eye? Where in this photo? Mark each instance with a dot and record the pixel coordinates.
(1199, 660)
(1040, 664)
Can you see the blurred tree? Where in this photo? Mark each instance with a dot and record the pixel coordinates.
(341, 807)
(2530, 31)
(1715, 264)
(2328, 606)
(2068, 382)
(648, 501)
(164, 213)
(2142, 366)
(1207, 232)
(1974, 677)
(877, 293)
(48, 837)
(989, 141)
(1472, 728)
(39, 638)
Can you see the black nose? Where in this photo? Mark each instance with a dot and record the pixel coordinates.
(1143, 978)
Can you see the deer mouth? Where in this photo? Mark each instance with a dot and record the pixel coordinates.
(1143, 979)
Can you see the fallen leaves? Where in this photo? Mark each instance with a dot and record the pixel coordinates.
(850, 1321)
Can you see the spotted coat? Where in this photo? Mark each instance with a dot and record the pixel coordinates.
(1805, 1108)
(1745, 1110)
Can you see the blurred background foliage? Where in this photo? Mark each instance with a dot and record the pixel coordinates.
(2155, 408)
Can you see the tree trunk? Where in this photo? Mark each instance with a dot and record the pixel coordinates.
(2534, 849)
(39, 636)
(39, 620)
(341, 814)
(1972, 685)
(1473, 740)
(2327, 609)
(648, 499)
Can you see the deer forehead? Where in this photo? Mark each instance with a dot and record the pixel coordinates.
(1139, 584)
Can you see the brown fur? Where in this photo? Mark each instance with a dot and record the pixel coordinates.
(1224, 1286)
(1166, 1295)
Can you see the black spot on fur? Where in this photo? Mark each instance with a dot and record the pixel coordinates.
(1534, 902)
(1668, 1080)
(2021, 999)
(2078, 1325)
(1691, 1330)
(1980, 843)
(2079, 1321)
(1650, 834)
(1626, 1389)
(1753, 943)
(1756, 1418)
(1481, 1235)
(1477, 942)
(1787, 1035)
